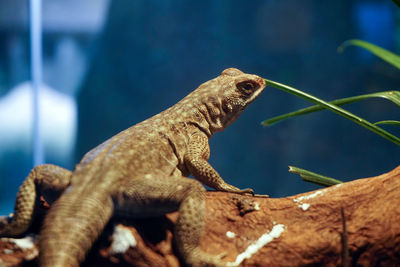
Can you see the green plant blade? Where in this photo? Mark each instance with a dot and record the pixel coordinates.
(392, 122)
(393, 96)
(384, 54)
(335, 109)
(314, 177)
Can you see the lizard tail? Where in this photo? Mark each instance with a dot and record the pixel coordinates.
(71, 227)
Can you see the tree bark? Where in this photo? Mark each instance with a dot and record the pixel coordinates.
(353, 224)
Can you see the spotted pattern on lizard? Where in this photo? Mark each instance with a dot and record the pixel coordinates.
(142, 171)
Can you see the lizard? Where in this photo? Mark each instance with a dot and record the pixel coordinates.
(141, 171)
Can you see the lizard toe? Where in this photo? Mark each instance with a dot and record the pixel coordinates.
(246, 191)
(199, 258)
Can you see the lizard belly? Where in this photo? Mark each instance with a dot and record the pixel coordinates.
(148, 194)
(143, 208)
(145, 178)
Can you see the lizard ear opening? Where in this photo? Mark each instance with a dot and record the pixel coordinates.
(247, 87)
(232, 72)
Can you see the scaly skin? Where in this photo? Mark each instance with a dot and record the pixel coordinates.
(141, 171)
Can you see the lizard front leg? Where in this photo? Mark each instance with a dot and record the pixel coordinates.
(196, 157)
(42, 179)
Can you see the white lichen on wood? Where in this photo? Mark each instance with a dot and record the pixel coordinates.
(122, 240)
(230, 234)
(22, 243)
(310, 196)
(305, 206)
(7, 251)
(276, 231)
(26, 244)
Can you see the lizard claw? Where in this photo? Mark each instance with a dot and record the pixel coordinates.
(246, 191)
(251, 191)
(221, 255)
(258, 195)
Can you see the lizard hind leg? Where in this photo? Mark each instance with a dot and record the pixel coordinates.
(42, 178)
(189, 229)
(145, 197)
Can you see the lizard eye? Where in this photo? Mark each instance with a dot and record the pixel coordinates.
(247, 87)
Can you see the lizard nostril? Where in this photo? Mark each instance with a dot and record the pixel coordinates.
(260, 81)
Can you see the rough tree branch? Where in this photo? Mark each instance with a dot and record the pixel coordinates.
(306, 229)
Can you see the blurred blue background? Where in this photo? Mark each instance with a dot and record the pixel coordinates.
(111, 64)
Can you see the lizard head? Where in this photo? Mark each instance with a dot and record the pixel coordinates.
(221, 100)
(237, 90)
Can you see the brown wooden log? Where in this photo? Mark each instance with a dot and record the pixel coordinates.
(307, 230)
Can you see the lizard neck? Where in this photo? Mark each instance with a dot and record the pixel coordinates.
(207, 115)
(212, 116)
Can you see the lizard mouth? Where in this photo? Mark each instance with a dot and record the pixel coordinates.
(255, 95)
